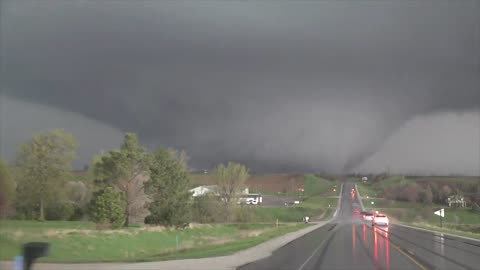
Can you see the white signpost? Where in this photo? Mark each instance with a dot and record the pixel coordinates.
(440, 213)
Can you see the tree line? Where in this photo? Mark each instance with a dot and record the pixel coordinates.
(122, 186)
(428, 192)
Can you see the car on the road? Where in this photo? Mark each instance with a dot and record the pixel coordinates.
(368, 217)
(356, 213)
(380, 219)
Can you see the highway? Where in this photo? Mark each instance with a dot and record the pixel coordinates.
(348, 243)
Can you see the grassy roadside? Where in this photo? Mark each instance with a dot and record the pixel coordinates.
(320, 199)
(437, 228)
(78, 242)
(320, 202)
(316, 186)
(457, 221)
(366, 190)
(467, 225)
(220, 250)
(285, 214)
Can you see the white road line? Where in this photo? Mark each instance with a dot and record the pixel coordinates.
(324, 240)
(315, 251)
(311, 256)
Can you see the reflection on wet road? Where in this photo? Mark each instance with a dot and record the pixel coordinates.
(348, 243)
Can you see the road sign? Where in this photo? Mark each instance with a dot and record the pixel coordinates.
(440, 212)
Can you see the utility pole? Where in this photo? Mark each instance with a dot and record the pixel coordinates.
(2, 120)
(477, 67)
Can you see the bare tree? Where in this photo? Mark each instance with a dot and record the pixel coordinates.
(180, 156)
(135, 197)
(78, 193)
(412, 192)
(230, 180)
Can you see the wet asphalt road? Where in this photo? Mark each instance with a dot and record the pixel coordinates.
(348, 243)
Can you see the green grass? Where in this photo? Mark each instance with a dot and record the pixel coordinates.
(285, 214)
(425, 214)
(39, 226)
(445, 229)
(463, 222)
(459, 221)
(230, 248)
(394, 180)
(320, 202)
(366, 189)
(447, 179)
(71, 244)
(315, 186)
(384, 203)
(319, 196)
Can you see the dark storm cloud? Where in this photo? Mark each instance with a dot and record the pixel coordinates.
(279, 85)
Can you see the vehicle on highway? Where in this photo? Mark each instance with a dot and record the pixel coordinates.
(368, 217)
(380, 219)
(356, 213)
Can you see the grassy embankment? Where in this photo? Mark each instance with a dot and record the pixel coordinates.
(319, 200)
(319, 197)
(460, 221)
(79, 241)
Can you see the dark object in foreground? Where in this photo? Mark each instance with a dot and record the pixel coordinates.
(32, 251)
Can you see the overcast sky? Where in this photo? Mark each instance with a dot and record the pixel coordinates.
(280, 85)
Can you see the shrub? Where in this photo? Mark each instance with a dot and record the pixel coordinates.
(78, 213)
(108, 208)
(426, 196)
(411, 192)
(206, 209)
(59, 211)
(244, 214)
(475, 207)
(25, 211)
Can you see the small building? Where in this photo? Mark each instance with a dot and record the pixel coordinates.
(211, 189)
(456, 201)
(204, 190)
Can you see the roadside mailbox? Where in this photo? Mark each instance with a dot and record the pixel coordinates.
(33, 251)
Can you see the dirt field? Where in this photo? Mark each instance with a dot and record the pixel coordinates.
(271, 183)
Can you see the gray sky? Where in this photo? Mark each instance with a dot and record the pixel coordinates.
(279, 85)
